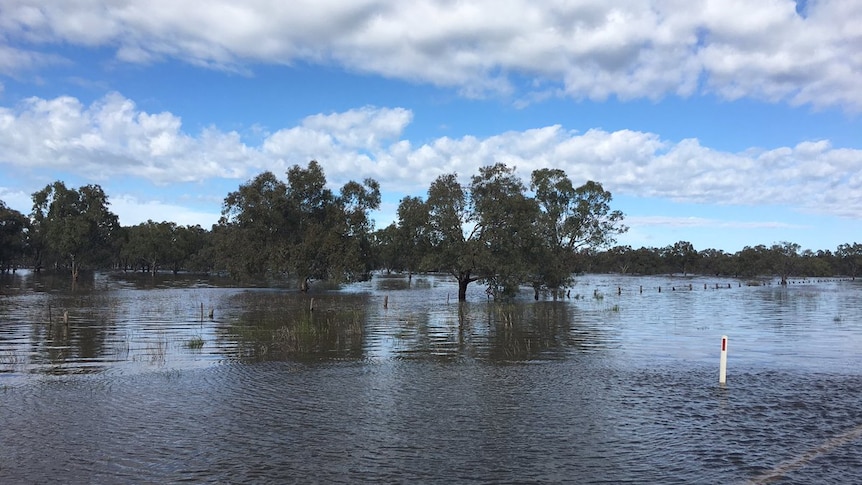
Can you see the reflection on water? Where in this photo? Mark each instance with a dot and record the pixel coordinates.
(130, 378)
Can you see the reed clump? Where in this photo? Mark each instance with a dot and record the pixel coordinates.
(195, 343)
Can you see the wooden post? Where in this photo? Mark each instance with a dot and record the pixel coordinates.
(386, 302)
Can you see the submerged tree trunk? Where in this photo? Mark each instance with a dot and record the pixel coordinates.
(464, 279)
(74, 269)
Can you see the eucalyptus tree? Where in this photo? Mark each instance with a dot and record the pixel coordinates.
(75, 226)
(785, 259)
(571, 220)
(300, 228)
(453, 234)
(150, 245)
(850, 256)
(681, 256)
(253, 231)
(410, 238)
(505, 219)
(13, 237)
(191, 249)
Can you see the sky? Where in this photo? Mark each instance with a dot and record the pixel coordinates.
(724, 123)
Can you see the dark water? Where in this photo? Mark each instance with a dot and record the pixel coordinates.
(600, 387)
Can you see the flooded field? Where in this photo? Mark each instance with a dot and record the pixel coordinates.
(129, 378)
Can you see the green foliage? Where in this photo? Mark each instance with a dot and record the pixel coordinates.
(782, 260)
(196, 342)
(73, 227)
(152, 246)
(14, 227)
(572, 222)
(298, 228)
(493, 232)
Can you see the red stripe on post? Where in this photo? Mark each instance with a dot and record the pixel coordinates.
(723, 344)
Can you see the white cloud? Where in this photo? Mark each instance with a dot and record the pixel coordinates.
(113, 138)
(132, 211)
(17, 199)
(585, 49)
(692, 222)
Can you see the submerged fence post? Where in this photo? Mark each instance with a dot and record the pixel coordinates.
(722, 363)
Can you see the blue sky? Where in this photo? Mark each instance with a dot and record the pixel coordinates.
(723, 123)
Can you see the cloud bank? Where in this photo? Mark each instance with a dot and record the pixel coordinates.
(113, 138)
(803, 53)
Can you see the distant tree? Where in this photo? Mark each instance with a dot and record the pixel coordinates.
(785, 259)
(386, 254)
(76, 226)
(715, 262)
(150, 245)
(14, 228)
(681, 256)
(754, 261)
(190, 249)
(850, 256)
(411, 238)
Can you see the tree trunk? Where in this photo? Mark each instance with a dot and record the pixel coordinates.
(462, 288)
(74, 269)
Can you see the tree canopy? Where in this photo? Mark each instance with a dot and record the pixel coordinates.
(74, 227)
(299, 227)
(493, 229)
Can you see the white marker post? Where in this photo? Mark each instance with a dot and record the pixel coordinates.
(722, 364)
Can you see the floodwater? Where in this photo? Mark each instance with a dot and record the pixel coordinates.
(130, 379)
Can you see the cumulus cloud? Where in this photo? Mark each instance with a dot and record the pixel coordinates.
(133, 211)
(584, 49)
(113, 138)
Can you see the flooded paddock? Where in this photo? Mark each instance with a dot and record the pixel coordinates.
(129, 378)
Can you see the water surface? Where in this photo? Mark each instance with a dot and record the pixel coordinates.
(394, 381)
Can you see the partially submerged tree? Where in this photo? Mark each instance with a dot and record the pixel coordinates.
(506, 222)
(75, 226)
(571, 220)
(299, 228)
(14, 227)
(453, 234)
(494, 232)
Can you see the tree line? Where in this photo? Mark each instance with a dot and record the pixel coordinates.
(497, 230)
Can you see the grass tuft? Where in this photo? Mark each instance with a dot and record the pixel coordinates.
(195, 342)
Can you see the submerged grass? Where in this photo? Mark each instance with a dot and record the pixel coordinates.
(283, 326)
(195, 343)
